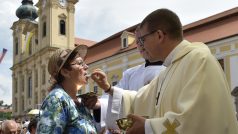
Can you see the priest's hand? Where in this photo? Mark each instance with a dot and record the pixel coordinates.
(138, 126)
(101, 79)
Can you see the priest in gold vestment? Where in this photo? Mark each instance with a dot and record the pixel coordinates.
(191, 96)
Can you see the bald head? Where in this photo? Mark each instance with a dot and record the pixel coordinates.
(9, 126)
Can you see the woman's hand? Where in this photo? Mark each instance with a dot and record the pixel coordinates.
(101, 79)
(91, 103)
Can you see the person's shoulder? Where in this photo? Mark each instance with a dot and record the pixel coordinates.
(132, 69)
(199, 50)
(200, 47)
(57, 94)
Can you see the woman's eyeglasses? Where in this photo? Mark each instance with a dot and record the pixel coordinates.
(81, 63)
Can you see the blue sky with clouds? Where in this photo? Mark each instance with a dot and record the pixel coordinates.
(98, 19)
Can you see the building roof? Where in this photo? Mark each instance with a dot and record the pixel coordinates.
(213, 28)
(27, 10)
(108, 47)
(5, 110)
(80, 41)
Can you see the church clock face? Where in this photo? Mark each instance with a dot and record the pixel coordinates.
(63, 2)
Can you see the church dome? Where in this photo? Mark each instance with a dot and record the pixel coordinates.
(27, 10)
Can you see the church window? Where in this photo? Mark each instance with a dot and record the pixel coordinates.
(43, 75)
(30, 48)
(36, 78)
(36, 97)
(124, 42)
(30, 87)
(22, 83)
(36, 41)
(15, 104)
(22, 103)
(44, 30)
(16, 85)
(16, 46)
(62, 27)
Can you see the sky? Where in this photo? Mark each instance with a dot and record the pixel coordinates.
(98, 19)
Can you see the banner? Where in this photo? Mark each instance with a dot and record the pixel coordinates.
(4, 51)
(28, 42)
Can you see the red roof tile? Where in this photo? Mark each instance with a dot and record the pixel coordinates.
(80, 41)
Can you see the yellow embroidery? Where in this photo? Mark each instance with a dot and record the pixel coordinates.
(171, 127)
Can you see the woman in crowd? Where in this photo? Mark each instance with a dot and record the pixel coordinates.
(61, 110)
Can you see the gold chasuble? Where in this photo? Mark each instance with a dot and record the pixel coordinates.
(194, 97)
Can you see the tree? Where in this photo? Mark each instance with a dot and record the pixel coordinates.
(1, 102)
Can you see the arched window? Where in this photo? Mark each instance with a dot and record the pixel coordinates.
(36, 98)
(16, 85)
(22, 83)
(16, 104)
(16, 46)
(29, 87)
(44, 30)
(36, 78)
(43, 79)
(62, 27)
(125, 43)
(30, 47)
(22, 103)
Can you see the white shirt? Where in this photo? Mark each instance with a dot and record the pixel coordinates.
(133, 79)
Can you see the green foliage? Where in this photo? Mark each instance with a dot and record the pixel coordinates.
(4, 116)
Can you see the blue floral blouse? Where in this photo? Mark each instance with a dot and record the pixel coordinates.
(61, 115)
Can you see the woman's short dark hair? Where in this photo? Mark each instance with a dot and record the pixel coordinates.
(32, 124)
(165, 20)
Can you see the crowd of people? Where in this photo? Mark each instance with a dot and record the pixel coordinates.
(16, 127)
(180, 88)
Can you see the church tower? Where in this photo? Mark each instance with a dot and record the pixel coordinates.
(56, 23)
(25, 38)
(33, 43)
